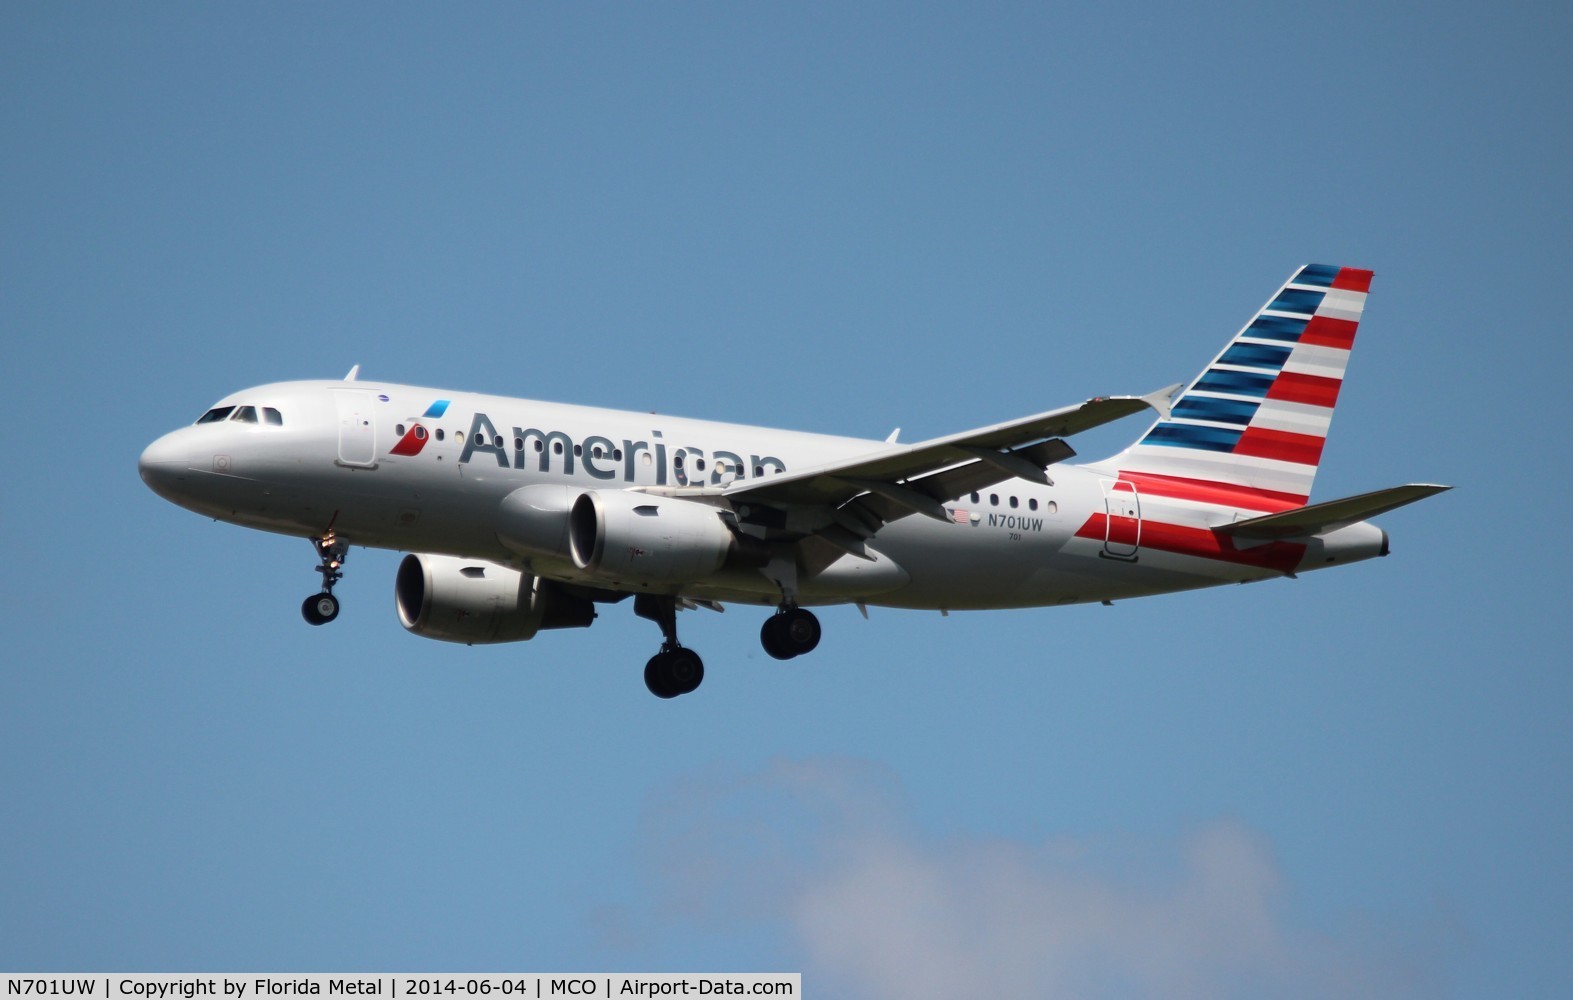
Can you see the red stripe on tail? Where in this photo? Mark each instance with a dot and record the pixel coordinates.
(1316, 390)
(1223, 494)
(1204, 543)
(1352, 279)
(1324, 331)
(1282, 446)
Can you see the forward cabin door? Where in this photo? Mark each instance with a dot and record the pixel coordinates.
(357, 428)
(1123, 507)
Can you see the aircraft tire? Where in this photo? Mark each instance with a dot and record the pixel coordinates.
(800, 630)
(655, 678)
(770, 637)
(674, 672)
(686, 670)
(319, 609)
(789, 634)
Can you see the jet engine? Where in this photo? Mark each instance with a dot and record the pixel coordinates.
(533, 520)
(475, 601)
(626, 537)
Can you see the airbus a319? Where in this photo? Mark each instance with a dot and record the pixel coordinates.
(521, 515)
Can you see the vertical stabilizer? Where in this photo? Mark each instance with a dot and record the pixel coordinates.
(1248, 432)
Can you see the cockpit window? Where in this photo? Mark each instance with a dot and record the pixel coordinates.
(243, 414)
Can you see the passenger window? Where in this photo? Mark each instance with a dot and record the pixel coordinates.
(439, 433)
(216, 414)
(272, 416)
(1032, 504)
(246, 415)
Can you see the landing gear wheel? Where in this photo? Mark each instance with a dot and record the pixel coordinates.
(790, 633)
(673, 672)
(319, 609)
(655, 677)
(685, 669)
(770, 638)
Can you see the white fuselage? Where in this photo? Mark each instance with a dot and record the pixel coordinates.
(347, 456)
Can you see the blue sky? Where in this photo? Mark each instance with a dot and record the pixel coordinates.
(828, 217)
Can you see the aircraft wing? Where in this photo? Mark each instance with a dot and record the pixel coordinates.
(919, 478)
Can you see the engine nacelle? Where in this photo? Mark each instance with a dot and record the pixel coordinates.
(639, 538)
(475, 601)
(533, 520)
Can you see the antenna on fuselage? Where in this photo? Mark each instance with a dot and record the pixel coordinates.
(353, 374)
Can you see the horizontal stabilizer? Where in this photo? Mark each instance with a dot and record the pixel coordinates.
(1320, 518)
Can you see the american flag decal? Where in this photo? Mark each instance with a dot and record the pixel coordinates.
(961, 516)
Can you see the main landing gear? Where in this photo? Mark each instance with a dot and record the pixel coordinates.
(790, 632)
(319, 609)
(675, 669)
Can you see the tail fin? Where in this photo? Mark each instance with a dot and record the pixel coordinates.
(1248, 432)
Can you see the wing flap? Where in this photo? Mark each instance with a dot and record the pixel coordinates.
(958, 481)
(1015, 445)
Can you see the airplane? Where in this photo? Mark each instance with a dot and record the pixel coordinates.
(521, 516)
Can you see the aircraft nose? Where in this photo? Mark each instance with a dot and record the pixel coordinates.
(164, 464)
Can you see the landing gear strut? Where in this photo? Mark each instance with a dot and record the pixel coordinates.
(791, 632)
(319, 609)
(675, 669)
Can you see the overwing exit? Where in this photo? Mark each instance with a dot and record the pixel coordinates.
(523, 515)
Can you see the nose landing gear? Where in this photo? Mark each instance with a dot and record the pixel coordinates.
(319, 609)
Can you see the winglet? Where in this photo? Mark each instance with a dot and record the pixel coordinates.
(1163, 399)
(353, 374)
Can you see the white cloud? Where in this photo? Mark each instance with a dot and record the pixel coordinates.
(828, 848)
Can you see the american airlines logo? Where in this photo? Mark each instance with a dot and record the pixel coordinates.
(416, 437)
(603, 458)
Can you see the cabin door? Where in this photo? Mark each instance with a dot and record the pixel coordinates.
(1123, 521)
(357, 428)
